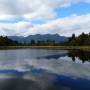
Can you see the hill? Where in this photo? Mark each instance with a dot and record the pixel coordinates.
(39, 37)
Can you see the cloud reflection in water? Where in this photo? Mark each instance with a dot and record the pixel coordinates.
(43, 73)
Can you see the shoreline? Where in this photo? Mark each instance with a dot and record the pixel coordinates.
(85, 48)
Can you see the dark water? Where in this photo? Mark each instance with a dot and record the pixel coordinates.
(38, 69)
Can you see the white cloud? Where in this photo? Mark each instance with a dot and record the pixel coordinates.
(27, 8)
(65, 26)
(40, 9)
(33, 9)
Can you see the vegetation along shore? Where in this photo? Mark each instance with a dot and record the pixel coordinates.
(81, 42)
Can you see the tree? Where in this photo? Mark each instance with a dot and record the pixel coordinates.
(32, 42)
(5, 41)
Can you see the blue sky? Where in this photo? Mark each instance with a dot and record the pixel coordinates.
(78, 9)
(42, 17)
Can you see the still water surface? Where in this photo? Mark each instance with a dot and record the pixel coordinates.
(40, 69)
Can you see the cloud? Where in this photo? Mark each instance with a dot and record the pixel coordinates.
(64, 26)
(18, 15)
(11, 29)
(33, 9)
(26, 8)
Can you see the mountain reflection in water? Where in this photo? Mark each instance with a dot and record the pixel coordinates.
(35, 69)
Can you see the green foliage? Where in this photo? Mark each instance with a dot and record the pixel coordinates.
(81, 40)
(5, 41)
(42, 43)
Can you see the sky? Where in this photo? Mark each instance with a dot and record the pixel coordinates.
(29, 17)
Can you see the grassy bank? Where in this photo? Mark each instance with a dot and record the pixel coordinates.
(85, 48)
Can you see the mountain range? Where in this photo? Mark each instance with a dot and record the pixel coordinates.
(53, 37)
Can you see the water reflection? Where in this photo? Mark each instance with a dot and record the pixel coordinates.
(81, 55)
(44, 70)
(42, 80)
(73, 54)
(56, 56)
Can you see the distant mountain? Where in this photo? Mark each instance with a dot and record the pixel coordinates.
(20, 39)
(55, 37)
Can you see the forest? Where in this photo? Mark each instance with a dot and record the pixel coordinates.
(5, 41)
(81, 40)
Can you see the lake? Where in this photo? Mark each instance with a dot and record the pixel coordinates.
(43, 69)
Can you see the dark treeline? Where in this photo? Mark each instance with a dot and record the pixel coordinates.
(5, 41)
(42, 43)
(81, 40)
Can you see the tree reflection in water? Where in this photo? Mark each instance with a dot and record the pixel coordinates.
(82, 55)
(73, 54)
